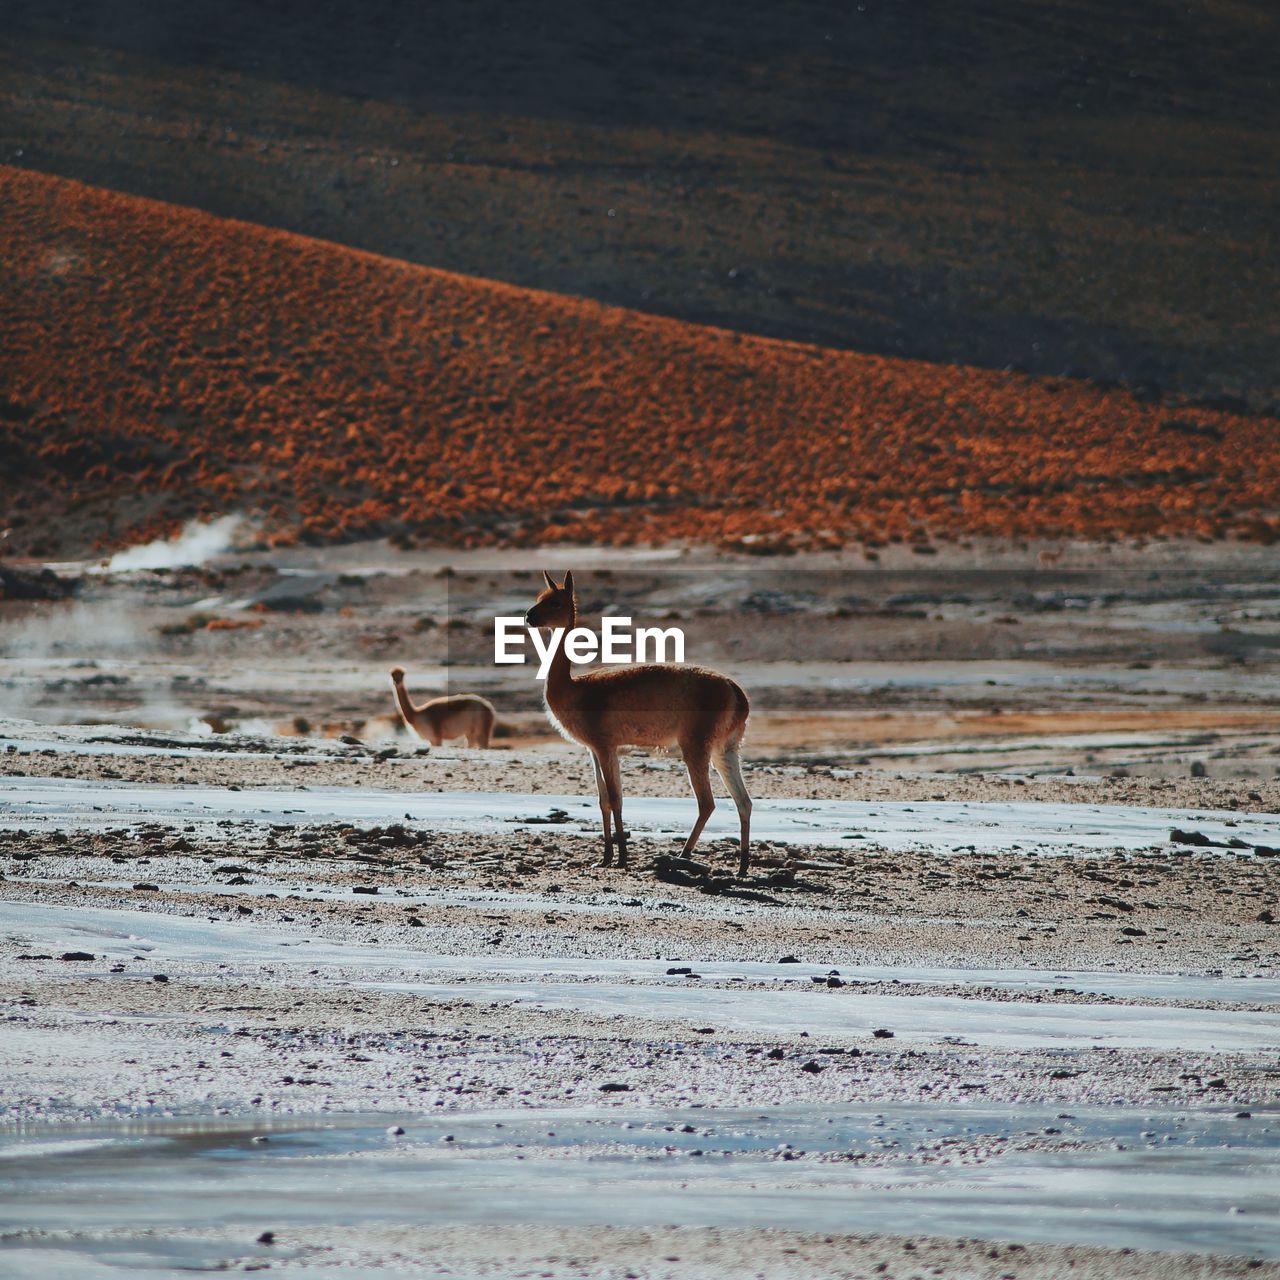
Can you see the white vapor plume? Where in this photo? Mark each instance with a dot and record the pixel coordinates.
(197, 543)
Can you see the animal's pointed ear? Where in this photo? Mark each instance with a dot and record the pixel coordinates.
(549, 580)
(568, 582)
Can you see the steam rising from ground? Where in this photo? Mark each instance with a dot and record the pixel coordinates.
(198, 542)
(84, 631)
(68, 655)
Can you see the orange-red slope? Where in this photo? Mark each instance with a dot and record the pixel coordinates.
(162, 361)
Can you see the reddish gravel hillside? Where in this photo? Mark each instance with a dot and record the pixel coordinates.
(161, 363)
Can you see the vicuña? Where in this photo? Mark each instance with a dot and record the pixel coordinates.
(702, 712)
(465, 715)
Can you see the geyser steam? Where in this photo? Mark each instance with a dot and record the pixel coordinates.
(197, 543)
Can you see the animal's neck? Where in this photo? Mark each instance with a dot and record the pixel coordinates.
(560, 673)
(407, 709)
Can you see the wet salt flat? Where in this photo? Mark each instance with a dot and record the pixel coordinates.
(121, 933)
(1199, 1181)
(917, 1019)
(941, 826)
(594, 987)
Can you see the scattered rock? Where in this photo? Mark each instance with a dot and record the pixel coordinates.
(882, 1033)
(615, 1086)
(1197, 838)
(75, 955)
(557, 817)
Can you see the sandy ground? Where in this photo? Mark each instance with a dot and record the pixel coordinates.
(707, 1253)
(692, 1253)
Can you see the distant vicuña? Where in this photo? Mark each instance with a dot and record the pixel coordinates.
(465, 715)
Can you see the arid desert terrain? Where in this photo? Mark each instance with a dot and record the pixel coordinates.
(916, 362)
(998, 997)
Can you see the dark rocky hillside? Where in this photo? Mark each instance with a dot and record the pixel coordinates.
(1068, 187)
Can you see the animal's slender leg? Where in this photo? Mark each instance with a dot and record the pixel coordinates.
(695, 759)
(603, 792)
(612, 769)
(729, 766)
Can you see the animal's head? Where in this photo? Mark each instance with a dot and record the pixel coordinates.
(556, 606)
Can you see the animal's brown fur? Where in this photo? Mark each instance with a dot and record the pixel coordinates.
(464, 715)
(702, 712)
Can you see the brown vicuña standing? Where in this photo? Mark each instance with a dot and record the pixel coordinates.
(651, 705)
(465, 715)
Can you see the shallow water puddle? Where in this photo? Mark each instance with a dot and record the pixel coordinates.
(69, 804)
(1200, 1181)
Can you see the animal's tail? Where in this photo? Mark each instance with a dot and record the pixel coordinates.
(740, 710)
